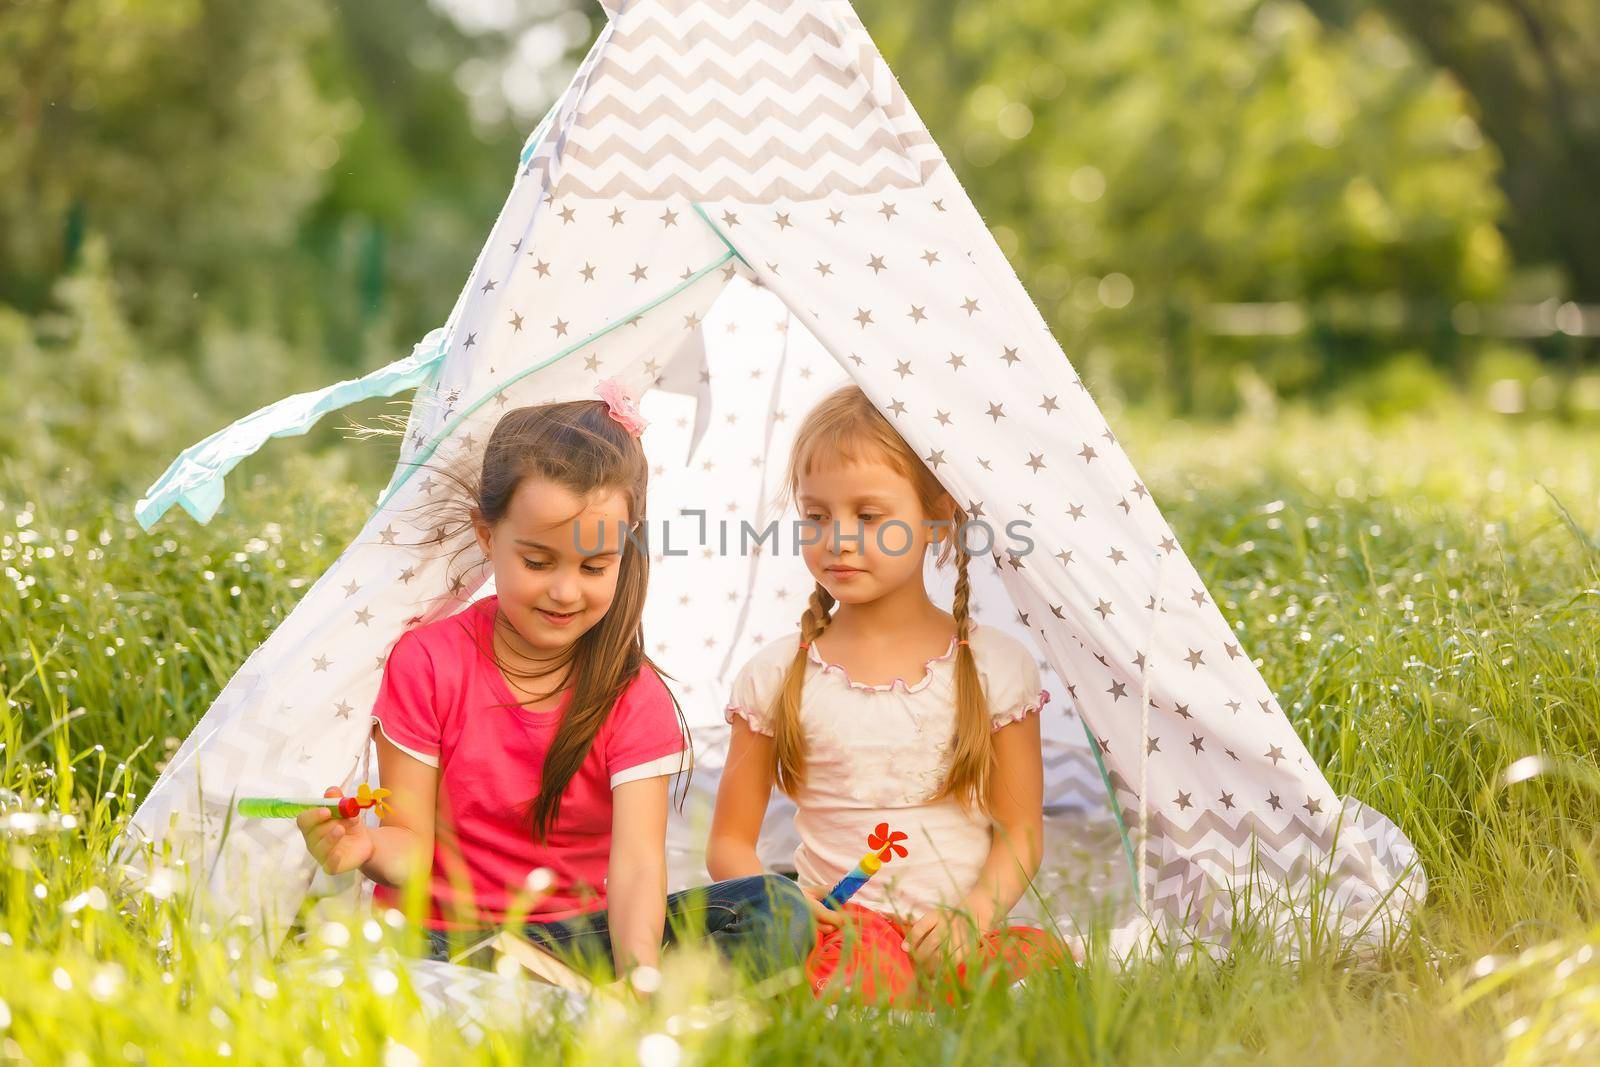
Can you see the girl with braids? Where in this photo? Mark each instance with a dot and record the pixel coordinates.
(528, 740)
(884, 708)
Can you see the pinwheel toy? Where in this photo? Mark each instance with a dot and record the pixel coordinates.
(884, 845)
(344, 807)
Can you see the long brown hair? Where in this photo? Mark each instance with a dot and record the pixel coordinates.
(579, 446)
(845, 428)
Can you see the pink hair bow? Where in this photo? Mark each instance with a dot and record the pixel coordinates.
(622, 407)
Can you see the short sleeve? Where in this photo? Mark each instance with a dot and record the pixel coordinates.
(643, 738)
(406, 712)
(755, 688)
(1012, 683)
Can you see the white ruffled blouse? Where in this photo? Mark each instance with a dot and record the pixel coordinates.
(877, 753)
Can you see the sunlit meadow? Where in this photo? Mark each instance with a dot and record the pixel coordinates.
(1423, 593)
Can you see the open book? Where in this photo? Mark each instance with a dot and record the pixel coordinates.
(539, 963)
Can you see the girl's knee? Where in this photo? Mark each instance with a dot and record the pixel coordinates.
(760, 921)
(787, 909)
(763, 892)
(783, 892)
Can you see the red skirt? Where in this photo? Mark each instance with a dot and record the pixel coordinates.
(866, 958)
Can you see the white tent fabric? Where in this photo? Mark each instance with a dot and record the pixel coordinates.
(735, 208)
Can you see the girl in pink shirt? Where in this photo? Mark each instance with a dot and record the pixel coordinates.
(527, 740)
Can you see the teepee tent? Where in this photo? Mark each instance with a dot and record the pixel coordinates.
(734, 208)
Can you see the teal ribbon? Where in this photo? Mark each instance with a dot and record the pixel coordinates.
(194, 480)
(1116, 810)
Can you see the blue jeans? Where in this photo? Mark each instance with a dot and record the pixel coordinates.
(761, 924)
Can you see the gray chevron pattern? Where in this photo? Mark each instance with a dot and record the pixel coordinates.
(754, 99)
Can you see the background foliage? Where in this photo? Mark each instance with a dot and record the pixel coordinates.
(1212, 202)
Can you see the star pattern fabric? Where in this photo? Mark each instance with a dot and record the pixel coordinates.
(734, 209)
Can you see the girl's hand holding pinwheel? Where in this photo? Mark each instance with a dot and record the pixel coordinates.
(825, 916)
(338, 845)
(883, 845)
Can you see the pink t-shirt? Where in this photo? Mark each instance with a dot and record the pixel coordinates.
(442, 700)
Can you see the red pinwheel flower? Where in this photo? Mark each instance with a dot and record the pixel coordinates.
(886, 844)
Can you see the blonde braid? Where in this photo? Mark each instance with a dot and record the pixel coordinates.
(789, 739)
(972, 747)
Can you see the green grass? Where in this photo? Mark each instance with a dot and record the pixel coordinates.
(1423, 594)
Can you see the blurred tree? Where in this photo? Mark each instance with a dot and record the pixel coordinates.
(309, 169)
(81, 404)
(192, 135)
(1532, 68)
(417, 182)
(1144, 161)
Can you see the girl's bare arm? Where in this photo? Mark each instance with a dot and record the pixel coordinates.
(636, 879)
(1016, 804)
(742, 797)
(403, 841)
